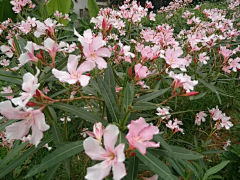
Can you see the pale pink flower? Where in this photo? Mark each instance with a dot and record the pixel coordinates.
(58, 14)
(29, 86)
(84, 132)
(227, 143)
(175, 125)
(8, 50)
(112, 158)
(141, 71)
(4, 62)
(7, 90)
(29, 55)
(48, 147)
(97, 132)
(33, 119)
(216, 113)
(172, 58)
(225, 122)
(75, 74)
(52, 47)
(66, 17)
(86, 38)
(184, 81)
(200, 117)
(203, 58)
(118, 89)
(68, 119)
(140, 133)
(73, 93)
(225, 52)
(152, 16)
(46, 90)
(40, 30)
(227, 69)
(163, 111)
(235, 64)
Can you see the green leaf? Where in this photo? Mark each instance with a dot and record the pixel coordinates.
(57, 156)
(143, 106)
(18, 161)
(156, 166)
(22, 43)
(6, 11)
(49, 175)
(109, 79)
(89, 116)
(190, 166)
(163, 143)
(132, 168)
(178, 153)
(60, 5)
(128, 97)
(174, 163)
(109, 99)
(215, 169)
(19, 51)
(93, 8)
(16, 149)
(212, 88)
(10, 77)
(151, 96)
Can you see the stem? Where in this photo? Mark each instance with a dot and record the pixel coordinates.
(167, 100)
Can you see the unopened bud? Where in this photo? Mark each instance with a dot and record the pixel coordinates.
(190, 94)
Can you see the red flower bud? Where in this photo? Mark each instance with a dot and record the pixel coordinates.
(132, 154)
(190, 94)
(32, 104)
(88, 74)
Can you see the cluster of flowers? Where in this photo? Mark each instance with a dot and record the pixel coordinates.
(216, 115)
(139, 136)
(18, 5)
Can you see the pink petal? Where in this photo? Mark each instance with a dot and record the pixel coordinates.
(86, 51)
(119, 151)
(40, 120)
(177, 53)
(49, 44)
(94, 150)
(136, 126)
(98, 171)
(63, 76)
(102, 64)
(148, 132)
(84, 80)
(37, 135)
(17, 130)
(97, 43)
(7, 110)
(140, 146)
(86, 66)
(103, 52)
(72, 63)
(24, 58)
(119, 170)
(110, 135)
(28, 81)
(151, 144)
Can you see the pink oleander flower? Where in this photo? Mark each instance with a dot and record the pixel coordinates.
(141, 71)
(152, 16)
(29, 55)
(7, 90)
(40, 30)
(215, 113)
(225, 52)
(58, 14)
(66, 17)
(184, 81)
(118, 89)
(235, 64)
(227, 69)
(203, 58)
(75, 74)
(227, 143)
(200, 117)
(8, 50)
(112, 158)
(225, 121)
(4, 62)
(163, 111)
(175, 125)
(172, 58)
(46, 90)
(97, 132)
(140, 133)
(93, 48)
(52, 47)
(33, 119)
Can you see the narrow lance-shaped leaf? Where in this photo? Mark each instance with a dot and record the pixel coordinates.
(215, 169)
(79, 112)
(57, 156)
(156, 166)
(132, 168)
(109, 99)
(18, 161)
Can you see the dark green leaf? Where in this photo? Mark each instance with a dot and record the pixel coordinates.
(50, 173)
(6, 11)
(156, 166)
(60, 5)
(132, 168)
(215, 169)
(10, 77)
(57, 156)
(174, 163)
(89, 116)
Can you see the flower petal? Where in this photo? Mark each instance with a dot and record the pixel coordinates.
(119, 170)
(40, 120)
(119, 150)
(148, 132)
(63, 76)
(94, 150)
(17, 130)
(98, 171)
(37, 135)
(84, 80)
(103, 52)
(137, 126)
(86, 66)
(7, 110)
(72, 64)
(102, 64)
(110, 135)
